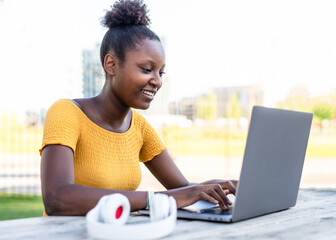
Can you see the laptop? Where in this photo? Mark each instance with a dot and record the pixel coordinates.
(271, 171)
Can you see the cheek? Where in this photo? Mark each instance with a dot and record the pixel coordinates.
(161, 83)
(131, 83)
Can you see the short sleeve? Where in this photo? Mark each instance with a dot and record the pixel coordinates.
(152, 143)
(61, 125)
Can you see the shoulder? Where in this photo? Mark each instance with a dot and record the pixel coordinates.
(62, 124)
(63, 109)
(63, 104)
(137, 116)
(138, 119)
(143, 125)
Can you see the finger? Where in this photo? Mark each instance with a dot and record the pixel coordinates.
(223, 193)
(230, 186)
(233, 187)
(235, 182)
(219, 190)
(207, 197)
(219, 197)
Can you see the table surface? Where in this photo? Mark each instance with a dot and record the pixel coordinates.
(313, 217)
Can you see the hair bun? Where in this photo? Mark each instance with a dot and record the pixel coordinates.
(126, 13)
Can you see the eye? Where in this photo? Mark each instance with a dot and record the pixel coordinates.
(161, 73)
(146, 70)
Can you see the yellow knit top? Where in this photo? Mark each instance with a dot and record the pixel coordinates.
(102, 159)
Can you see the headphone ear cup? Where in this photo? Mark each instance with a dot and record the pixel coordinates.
(165, 206)
(99, 227)
(159, 207)
(114, 209)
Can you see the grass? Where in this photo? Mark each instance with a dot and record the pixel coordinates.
(322, 144)
(231, 142)
(195, 140)
(20, 139)
(20, 206)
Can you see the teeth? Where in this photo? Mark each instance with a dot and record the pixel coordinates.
(148, 93)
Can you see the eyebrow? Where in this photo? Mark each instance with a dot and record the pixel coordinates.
(151, 62)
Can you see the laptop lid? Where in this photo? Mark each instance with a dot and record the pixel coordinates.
(272, 166)
(273, 161)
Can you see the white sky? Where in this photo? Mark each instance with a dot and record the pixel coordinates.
(279, 44)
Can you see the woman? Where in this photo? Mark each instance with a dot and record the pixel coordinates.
(92, 147)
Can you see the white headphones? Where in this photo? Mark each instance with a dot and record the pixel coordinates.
(106, 220)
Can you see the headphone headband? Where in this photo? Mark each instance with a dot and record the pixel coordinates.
(116, 230)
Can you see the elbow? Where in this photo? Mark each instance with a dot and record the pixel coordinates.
(54, 204)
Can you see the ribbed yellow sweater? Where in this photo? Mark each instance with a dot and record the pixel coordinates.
(102, 159)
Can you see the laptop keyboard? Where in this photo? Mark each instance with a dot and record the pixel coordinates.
(217, 210)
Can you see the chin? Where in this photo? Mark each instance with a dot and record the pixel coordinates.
(142, 107)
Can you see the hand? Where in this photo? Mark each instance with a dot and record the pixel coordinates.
(229, 186)
(209, 191)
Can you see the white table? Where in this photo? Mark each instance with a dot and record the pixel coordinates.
(314, 217)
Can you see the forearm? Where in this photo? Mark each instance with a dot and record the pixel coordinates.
(77, 200)
(192, 184)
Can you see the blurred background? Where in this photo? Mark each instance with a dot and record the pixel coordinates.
(222, 56)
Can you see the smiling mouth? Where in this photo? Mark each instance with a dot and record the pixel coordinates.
(148, 93)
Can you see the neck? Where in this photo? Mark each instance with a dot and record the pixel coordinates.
(110, 107)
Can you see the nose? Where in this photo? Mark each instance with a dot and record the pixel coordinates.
(156, 80)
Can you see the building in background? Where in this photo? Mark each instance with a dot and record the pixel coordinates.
(186, 107)
(242, 97)
(93, 73)
(227, 102)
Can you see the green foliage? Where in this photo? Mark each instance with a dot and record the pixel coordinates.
(230, 141)
(323, 107)
(20, 206)
(18, 137)
(207, 107)
(235, 106)
(323, 111)
(297, 100)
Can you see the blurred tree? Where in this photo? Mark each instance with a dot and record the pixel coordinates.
(207, 106)
(323, 111)
(235, 106)
(297, 99)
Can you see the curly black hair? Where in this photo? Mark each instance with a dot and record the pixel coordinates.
(128, 24)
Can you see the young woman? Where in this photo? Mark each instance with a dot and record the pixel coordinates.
(93, 147)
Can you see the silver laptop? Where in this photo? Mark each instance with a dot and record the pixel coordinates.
(272, 167)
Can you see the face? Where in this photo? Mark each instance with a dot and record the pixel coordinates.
(138, 79)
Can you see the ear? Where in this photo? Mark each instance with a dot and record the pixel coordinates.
(110, 63)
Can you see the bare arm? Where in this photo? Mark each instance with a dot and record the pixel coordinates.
(166, 172)
(61, 196)
(164, 169)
